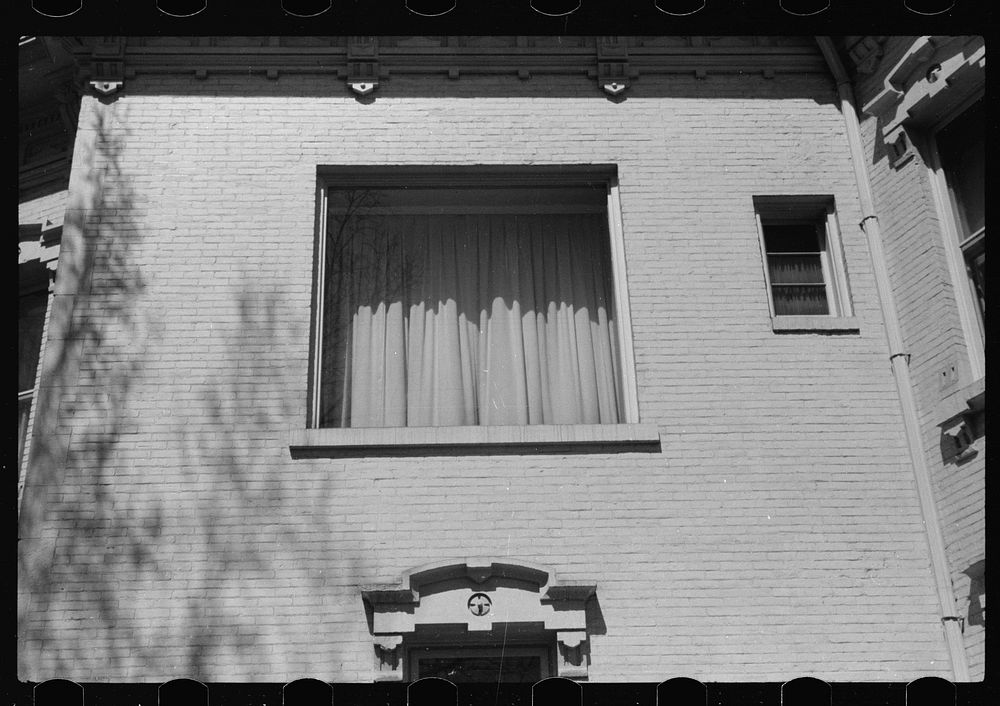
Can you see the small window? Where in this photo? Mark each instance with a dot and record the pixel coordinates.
(798, 267)
(803, 266)
(962, 153)
(471, 299)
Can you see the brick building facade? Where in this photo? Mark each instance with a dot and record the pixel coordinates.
(741, 501)
(914, 92)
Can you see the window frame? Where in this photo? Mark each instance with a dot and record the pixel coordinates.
(627, 431)
(31, 284)
(447, 650)
(820, 212)
(970, 317)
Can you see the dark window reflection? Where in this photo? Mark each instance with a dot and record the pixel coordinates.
(795, 255)
(521, 669)
(961, 147)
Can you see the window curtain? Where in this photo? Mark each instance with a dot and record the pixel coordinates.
(486, 319)
(797, 284)
(795, 254)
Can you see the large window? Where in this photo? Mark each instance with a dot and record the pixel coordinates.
(447, 301)
(962, 153)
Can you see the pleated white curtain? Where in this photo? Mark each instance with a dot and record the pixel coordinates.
(486, 319)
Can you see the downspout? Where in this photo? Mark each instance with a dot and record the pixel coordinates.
(899, 359)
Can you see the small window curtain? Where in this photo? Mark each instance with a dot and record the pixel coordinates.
(483, 319)
(795, 255)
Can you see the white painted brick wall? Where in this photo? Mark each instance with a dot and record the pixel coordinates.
(776, 535)
(925, 296)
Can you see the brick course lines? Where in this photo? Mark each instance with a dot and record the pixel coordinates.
(914, 245)
(778, 520)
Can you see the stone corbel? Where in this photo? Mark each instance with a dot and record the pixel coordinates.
(961, 429)
(388, 664)
(960, 433)
(388, 658)
(107, 65)
(899, 148)
(571, 658)
(613, 71)
(362, 64)
(571, 644)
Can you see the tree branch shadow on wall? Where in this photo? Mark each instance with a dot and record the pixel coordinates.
(287, 544)
(155, 520)
(77, 548)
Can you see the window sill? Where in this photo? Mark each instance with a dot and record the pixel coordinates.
(404, 441)
(807, 324)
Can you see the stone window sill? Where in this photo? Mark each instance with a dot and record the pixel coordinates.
(810, 324)
(474, 440)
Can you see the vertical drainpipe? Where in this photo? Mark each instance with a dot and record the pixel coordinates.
(899, 359)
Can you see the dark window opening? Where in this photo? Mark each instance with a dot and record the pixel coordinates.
(962, 150)
(796, 256)
(525, 665)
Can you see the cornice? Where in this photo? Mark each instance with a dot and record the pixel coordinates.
(934, 76)
(105, 63)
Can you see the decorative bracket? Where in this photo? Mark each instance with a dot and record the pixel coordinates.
(961, 435)
(362, 64)
(107, 65)
(388, 660)
(572, 657)
(899, 148)
(613, 72)
(961, 429)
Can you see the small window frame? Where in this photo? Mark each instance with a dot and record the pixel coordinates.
(820, 212)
